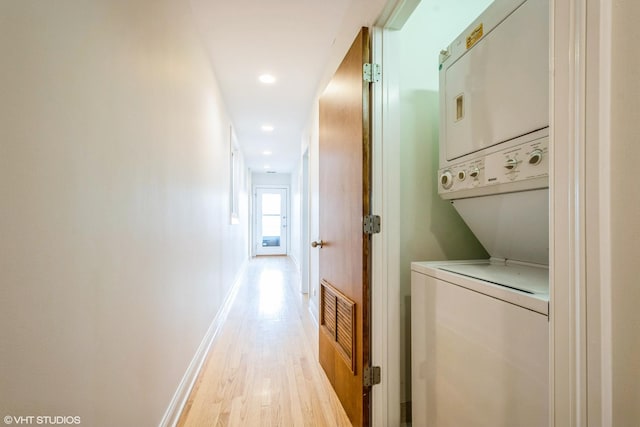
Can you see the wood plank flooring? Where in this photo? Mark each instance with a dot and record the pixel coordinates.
(262, 369)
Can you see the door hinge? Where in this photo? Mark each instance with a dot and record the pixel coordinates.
(371, 73)
(371, 376)
(371, 224)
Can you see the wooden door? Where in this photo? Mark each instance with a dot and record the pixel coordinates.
(344, 258)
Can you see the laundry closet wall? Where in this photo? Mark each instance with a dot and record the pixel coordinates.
(430, 229)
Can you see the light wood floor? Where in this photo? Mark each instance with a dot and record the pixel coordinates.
(262, 369)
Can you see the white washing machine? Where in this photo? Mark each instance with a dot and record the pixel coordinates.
(479, 328)
(479, 348)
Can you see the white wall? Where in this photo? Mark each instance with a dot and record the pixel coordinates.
(625, 214)
(430, 229)
(312, 134)
(295, 216)
(116, 251)
(260, 178)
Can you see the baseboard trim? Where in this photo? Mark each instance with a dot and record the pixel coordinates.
(313, 309)
(295, 261)
(179, 400)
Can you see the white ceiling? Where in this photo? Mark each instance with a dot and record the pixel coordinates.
(300, 42)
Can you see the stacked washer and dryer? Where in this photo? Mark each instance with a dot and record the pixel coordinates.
(480, 331)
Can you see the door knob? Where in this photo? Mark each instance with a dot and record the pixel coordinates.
(318, 243)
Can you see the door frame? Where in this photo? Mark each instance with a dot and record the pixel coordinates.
(385, 292)
(305, 229)
(580, 253)
(580, 87)
(254, 237)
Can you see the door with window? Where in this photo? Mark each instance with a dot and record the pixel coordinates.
(271, 221)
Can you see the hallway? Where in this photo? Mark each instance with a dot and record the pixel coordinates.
(262, 368)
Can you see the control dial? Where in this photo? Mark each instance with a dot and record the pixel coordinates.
(474, 172)
(511, 164)
(535, 157)
(446, 179)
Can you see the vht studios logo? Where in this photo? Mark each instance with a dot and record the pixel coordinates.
(42, 420)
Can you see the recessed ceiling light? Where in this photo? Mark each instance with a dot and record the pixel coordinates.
(267, 167)
(266, 153)
(267, 128)
(267, 79)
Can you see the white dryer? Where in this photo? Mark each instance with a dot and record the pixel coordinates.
(479, 328)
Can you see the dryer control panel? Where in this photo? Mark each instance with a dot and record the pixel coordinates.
(517, 168)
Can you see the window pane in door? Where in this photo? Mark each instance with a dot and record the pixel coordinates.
(271, 204)
(271, 219)
(271, 230)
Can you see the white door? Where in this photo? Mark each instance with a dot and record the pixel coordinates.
(271, 221)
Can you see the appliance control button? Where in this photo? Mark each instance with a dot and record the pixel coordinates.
(535, 157)
(511, 164)
(446, 180)
(475, 172)
(462, 175)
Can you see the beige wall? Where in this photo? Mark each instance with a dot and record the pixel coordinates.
(625, 214)
(115, 246)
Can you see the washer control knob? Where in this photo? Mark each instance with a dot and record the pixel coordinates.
(446, 179)
(535, 157)
(474, 173)
(462, 175)
(511, 164)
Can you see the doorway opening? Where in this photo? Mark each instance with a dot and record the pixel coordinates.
(271, 235)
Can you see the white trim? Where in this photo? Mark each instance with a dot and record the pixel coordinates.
(581, 314)
(305, 221)
(604, 157)
(578, 299)
(313, 309)
(298, 266)
(379, 332)
(385, 295)
(179, 400)
(396, 13)
(579, 196)
(562, 212)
